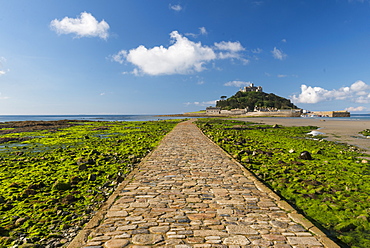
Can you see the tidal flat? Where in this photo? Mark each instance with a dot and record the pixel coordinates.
(54, 175)
(328, 182)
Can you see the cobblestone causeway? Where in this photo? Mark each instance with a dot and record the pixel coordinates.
(189, 193)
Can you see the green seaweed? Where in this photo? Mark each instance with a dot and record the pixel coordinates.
(56, 179)
(365, 132)
(332, 189)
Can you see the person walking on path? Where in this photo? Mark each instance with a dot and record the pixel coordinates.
(190, 193)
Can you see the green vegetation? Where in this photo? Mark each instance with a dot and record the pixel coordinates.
(365, 132)
(56, 178)
(249, 100)
(331, 187)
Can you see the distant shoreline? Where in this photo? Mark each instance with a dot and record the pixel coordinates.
(249, 115)
(337, 130)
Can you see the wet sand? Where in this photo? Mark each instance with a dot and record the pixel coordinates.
(342, 131)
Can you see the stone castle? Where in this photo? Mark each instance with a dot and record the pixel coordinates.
(251, 88)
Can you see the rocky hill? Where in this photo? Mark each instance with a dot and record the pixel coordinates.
(250, 100)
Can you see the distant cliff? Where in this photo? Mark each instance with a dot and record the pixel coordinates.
(252, 100)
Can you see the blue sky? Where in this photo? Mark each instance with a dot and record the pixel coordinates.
(163, 57)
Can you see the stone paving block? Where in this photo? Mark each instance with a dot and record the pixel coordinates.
(116, 214)
(189, 193)
(201, 216)
(206, 233)
(304, 241)
(236, 229)
(116, 243)
(126, 227)
(147, 239)
(236, 240)
(159, 229)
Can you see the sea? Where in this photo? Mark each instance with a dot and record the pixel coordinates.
(8, 118)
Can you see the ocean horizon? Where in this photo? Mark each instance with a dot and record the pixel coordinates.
(8, 118)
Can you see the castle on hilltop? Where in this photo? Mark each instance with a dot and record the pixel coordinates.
(251, 88)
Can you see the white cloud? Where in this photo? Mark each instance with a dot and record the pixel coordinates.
(283, 40)
(281, 76)
(176, 7)
(310, 95)
(3, 97)
(120, 56)
(84, 26)
(229, 46)
(203, 31)
(2, 60)
(257, 50)
(359, 86)
(182, 57)
(232, 50)
(358, 92)
(278, 54)
(356, 109)
(237, 83)
(204, 104)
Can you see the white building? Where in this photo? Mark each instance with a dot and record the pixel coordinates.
(213, 111)
(251, 88)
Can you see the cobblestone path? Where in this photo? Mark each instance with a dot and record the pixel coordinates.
(189, 193)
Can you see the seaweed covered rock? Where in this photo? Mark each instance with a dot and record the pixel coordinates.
(305, 155)
(60, 185)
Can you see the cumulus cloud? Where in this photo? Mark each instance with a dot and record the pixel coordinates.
(278, 54)
(83, 26)
(182, 57)
(230, 50)
(356, 109)
(176, 7)
(237, 83)
(358, 92)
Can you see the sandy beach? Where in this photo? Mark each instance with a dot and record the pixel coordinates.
(343, 131)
